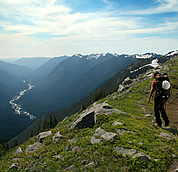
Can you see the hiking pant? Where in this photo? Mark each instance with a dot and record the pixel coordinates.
(159, 107)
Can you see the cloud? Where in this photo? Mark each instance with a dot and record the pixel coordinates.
(48, 28)
(161, 6)
(167, 6)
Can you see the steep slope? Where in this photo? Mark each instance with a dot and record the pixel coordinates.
(13, 69)
(125, 140)
(45, 69)
(11, 77)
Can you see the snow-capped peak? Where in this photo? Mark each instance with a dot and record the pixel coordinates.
(98, 55)
(78, 55)
(144, 56)
(172, 53)
(93, 56)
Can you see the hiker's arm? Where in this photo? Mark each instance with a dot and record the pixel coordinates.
(151, 93)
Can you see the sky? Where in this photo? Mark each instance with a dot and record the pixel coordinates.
(52, 28)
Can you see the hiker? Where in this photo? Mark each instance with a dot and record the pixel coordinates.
(161, 96)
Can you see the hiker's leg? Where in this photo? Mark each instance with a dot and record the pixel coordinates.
(164, 114)
(156, 110)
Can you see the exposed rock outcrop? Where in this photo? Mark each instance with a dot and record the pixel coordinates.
(101, 135)
(130, 83)
(125, 151)
(133, 153)
(166, 136)
(33, 148)
(88, 117)
(141, 156)
(57, 136)
(116, 123)
(123, 131)
(14, 166)
(18, 151)
(74, 140)
(104, 108)
(43, 135)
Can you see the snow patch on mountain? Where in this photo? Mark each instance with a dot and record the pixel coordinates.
(99, 55)
(93, 56)
(146, 55)
(143, 56)
(78, 55)
(172, 53)
(154, 64)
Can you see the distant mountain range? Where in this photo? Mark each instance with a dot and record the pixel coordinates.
(58, 83)
(72, 79)
(32, 63)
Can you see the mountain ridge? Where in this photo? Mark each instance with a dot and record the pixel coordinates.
(64, 79)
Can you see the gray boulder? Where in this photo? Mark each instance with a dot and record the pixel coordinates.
(127, 81)
(116, 123)
(166, 136)
(86, 119)
(133, 153)
(125, 151)
(14, 166)
(142, 156)
(16, 159)
(18, 151)
(33, 148)
(101, 135)
(69, 148)
(94, 140)
(90, 165)
(65, 118)
(123, 131)
(104, 108)
(70, 168)
(43, 135)
(99, 132)
(74, 140)
(121, 88)
(125, 85)
(109, 136)
(57, 136)
(58, 156)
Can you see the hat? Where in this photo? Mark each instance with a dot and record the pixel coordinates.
(166, 85)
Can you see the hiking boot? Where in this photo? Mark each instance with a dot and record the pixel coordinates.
(159, 122)
(166, 123)
(160, 125)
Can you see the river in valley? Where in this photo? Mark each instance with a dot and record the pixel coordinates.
(17, 107)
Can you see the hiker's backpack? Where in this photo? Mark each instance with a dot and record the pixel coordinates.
(163, 86)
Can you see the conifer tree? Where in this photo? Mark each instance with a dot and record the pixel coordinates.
(51, 125)
(55, 122)
(31, 134)
(98, 95)
(16, 143)
(83, 107)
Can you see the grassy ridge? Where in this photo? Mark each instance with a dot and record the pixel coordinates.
(144, 137)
